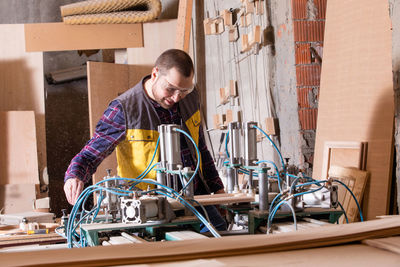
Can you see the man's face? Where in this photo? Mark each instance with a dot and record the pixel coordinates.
(171, 87)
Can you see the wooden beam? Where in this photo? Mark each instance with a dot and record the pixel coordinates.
(59, 36)
(182, 40)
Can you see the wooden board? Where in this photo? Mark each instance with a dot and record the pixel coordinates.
(59, 36)
(22, 82)
(356, 93)
(356, 180)
(153, 252)
(17, 198)
(105, 82)
(18, 157)
(158, 37)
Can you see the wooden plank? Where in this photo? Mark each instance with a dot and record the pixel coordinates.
(105, 82)
(184, 25)
(356, 93)
(356, 180)
(156, 252)
(22, 82)
(18, 158)
(158, 37)
(59, 36)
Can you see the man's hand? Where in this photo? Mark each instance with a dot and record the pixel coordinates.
(221, 191)
(73, 188)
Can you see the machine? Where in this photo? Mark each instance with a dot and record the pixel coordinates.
(169, 203)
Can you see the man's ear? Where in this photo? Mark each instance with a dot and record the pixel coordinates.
(154, 73)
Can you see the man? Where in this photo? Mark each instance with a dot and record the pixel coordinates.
(130, 122)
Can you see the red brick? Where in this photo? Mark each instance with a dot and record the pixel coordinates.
(299, 9)
(308, 118)
(309, 31)
(321, 7)
(309, 75)
(302, 53)
(303, 96)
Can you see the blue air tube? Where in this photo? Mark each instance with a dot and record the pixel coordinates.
(354, 197)
(273, 144)
(198, 157)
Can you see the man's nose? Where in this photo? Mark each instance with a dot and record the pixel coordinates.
(176, 97)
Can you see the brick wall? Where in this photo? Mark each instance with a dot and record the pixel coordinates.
(308, 26)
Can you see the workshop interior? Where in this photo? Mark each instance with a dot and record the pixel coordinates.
(298, 108)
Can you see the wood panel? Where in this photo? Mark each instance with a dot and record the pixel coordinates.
(356, 180)
(22, 82)
(156, 252)
(59, 36)
(17, 198)
(105, 82)
(356, 93)
(344, 154)
(158, 37)
(18, 157)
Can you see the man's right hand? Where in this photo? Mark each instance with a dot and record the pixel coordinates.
(73, 188)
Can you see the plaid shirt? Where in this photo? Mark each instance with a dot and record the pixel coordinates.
(111, 130)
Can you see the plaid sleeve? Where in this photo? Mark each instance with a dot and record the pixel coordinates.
(110, 130)
(210, 173)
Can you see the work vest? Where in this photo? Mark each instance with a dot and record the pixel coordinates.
(134, 153)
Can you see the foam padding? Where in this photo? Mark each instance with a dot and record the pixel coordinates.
(111, 11)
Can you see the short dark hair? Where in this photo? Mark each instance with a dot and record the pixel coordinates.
(175, 58)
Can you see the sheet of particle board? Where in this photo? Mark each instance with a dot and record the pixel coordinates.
(59, 36)
(156, 252)
(356, 93)
(105, 82)
(18, 157)
(158, 36)
(22, 81)
(17, 198)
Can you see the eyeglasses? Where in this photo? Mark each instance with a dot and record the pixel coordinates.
(172, 90)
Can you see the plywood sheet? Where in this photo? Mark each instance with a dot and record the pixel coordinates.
(105, 82)
(22, 81)
(356, 93)
(18, 157)
(59, 36)
(153, 252)
(158, 36)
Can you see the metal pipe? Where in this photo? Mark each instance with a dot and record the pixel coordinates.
(250, 143)
(234, 142)
(263, 188)
(231, 179)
